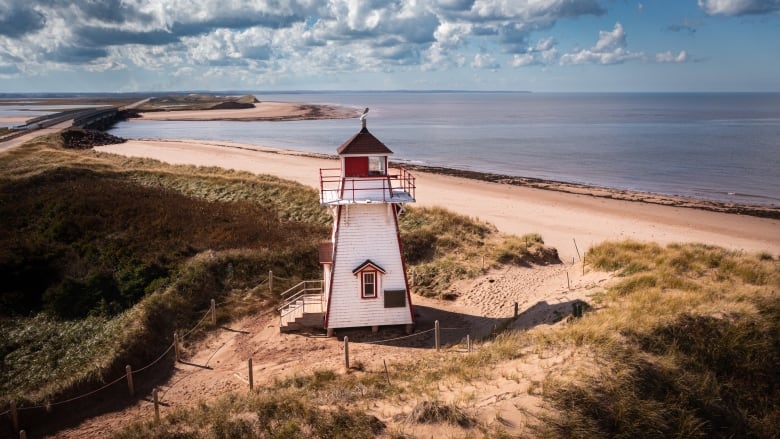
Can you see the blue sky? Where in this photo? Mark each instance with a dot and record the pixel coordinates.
(536, 45)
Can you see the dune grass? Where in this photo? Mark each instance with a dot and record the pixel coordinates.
(688, 342)
(690, 357)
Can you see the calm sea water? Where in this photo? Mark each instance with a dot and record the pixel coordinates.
(723, 147)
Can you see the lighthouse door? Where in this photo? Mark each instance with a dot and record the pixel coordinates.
(355, 166)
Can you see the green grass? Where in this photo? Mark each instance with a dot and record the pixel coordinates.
(92, 242)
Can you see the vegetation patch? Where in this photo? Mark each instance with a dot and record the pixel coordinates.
(688, 342)
(86, 249)
(437, 412)
(264, 414)
(197, 101)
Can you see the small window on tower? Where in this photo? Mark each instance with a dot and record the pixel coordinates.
(376, 166)
(369, 284)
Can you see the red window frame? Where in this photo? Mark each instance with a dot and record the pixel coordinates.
(364, 284)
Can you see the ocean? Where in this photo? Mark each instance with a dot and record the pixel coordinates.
(721, 147)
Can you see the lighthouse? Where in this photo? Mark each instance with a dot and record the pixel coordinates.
(364, 276)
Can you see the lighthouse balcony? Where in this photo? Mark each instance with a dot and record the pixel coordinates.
(396, 187)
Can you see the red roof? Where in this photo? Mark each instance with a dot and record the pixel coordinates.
(363, 143)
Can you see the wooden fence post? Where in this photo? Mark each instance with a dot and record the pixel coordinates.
(251, 374)
(437, 336)
(130, 386)
(387, 374)
(515, 309)
(468, 342)
(568, 282)
(14, 416)
(213, 313)
(346, 352)
(22, 434)
(576, 248)
(176, 345)
(270, 282)
(156, 405)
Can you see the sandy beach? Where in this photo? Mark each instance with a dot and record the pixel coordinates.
(561, 218)
(267, 111)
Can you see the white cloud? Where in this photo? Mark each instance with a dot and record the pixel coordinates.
(611, 40)
(611, 48)
(669, 57)
(270, 40)
(523, 59)
(485, 61)
(739, 7)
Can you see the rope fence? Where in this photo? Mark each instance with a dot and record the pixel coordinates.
(13, 412)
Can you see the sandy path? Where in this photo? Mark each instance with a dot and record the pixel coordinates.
(559, 217)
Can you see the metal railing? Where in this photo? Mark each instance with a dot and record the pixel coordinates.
(396, 188)
(308, 292)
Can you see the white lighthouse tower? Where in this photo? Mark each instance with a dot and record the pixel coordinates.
(365, 280)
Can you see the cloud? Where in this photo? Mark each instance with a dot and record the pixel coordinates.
(609, 49)
(273, 40)
(611, 40)
(19, 18)
(739, 7)
(485, 61)
(612, 48)
(669, 57)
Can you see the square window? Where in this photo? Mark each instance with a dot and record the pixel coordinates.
(376, 166)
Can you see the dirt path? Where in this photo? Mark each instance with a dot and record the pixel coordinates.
(218, 363)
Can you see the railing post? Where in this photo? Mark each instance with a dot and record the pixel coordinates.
(176, 345)
(251, 374)
(156, 405)
(346, 352)
(437, 335)
(130, 386)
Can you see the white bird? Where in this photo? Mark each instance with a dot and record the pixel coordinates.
(363, 116)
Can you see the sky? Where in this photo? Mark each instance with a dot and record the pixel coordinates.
(278, 45)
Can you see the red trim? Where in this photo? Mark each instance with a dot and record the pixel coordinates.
(333, 267)
(403, 265)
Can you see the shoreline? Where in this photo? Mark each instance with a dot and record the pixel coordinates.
(756, 210)
(569, 221)
(290, 111)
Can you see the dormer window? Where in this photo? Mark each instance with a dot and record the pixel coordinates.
(376, 165)
(369, 274)
(369, 284)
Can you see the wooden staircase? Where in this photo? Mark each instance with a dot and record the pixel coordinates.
(303, 306)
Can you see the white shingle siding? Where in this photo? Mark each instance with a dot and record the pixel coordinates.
(367, 231)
